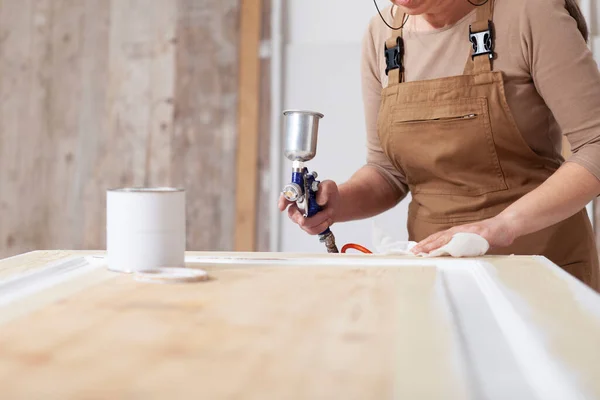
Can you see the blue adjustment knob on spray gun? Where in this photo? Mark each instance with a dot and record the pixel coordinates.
(301, 131)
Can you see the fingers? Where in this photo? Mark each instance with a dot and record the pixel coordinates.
(328, 190)
(295, 215)
(318, 223)
(436, 244)
(319, 228)
(317, 219)
(282, 203)
(313, 225)
(433, 242)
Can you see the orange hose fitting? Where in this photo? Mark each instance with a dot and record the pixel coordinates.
(356, 247)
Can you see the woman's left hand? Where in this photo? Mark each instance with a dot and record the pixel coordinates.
(498, 231)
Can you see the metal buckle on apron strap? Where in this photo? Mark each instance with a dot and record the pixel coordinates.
(394, 55)
(483, 42)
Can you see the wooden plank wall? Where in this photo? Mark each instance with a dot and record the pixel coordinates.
(264, 203)
(248, 125)
(204, 154)
(105, 93)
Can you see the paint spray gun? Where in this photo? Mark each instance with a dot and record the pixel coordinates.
(301, 131)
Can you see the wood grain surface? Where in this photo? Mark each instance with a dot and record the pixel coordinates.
(260, 332)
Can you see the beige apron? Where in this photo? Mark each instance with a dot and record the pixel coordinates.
(464, 159)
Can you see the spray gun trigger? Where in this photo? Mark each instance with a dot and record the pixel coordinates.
(302, 205)
(315, 186)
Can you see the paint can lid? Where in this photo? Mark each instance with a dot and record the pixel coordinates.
(171, 275)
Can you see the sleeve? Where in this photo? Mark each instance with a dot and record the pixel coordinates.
(371, 91)
(565, 75)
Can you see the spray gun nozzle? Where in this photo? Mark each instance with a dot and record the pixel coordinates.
(292, 192)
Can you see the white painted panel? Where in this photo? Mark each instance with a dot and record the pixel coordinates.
(316, 80)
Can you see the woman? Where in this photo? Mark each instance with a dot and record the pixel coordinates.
(467, 113)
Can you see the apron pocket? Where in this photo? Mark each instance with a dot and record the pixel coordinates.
(445, 147)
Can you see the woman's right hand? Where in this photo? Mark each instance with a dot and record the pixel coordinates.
(327, 197)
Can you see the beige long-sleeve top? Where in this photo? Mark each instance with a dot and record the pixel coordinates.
(552, 81)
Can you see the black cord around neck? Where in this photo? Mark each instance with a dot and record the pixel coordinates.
(478, 5)
(406, 19)
(385, 22)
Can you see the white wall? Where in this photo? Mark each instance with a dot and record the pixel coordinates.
(322, 73)
(591, 9)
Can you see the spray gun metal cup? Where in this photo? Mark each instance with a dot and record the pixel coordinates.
(301, 133)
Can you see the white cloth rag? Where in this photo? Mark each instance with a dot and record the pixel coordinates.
(461, 245)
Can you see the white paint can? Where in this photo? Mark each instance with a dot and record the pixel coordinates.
(145, 228)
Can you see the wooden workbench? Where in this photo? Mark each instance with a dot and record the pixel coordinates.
(277, 326)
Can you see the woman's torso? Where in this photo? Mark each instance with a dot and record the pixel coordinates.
(443, 53)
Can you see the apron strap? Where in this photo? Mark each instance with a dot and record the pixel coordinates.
(481, 37)
(394, 51)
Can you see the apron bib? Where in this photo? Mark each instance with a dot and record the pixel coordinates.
(464, 159)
